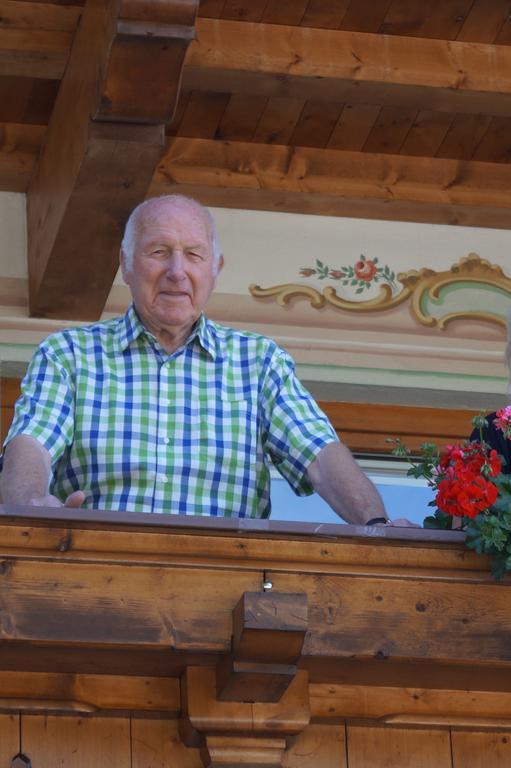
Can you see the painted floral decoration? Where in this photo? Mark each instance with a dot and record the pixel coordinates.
(469, 486)
(361, 275)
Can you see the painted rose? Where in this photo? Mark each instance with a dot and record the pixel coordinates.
(336, 274)
(365, 270)
(307, 272)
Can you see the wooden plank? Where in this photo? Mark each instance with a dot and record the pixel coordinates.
(443, 20)
(38, 16)
(326, 14)
(463, 136)
(365, 15)
(244, 10)
(337, 183)
(427, 133)
(495, 145)
(66, 693)
(390, 130)
(288, 12)
(156, 744)
(318, 746)
(211, 9)
(203, 114)
(9, 738)
(481, 750)
(276, 60)
(316, 124)
(415, 706)
(353, 127)
(241, 117)
(278, 120)
(34, 53)
(484, 21)
(19, 145)
(76, 742)
(397, 747)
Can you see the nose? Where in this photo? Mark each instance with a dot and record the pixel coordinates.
(175, 266)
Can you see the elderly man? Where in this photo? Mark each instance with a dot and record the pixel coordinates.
(163, 410)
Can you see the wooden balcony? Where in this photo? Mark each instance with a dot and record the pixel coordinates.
(141, 641)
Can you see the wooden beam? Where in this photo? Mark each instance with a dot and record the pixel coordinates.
(124, 69)
(277, 60)
(337, 183)
(19, 146)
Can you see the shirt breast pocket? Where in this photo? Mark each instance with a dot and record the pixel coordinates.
(225, 434)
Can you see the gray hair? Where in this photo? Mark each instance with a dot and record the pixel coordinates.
(133, 223)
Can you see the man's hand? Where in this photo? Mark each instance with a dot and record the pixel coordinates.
(74, 500)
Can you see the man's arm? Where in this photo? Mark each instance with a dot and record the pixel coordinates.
(338, 479)
(25, 475)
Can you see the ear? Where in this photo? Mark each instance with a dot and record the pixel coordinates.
(220, 265)
(123, 265)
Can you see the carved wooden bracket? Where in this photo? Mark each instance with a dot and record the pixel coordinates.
(268, 633)
(232, 733)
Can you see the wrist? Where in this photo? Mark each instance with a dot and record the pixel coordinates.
(378, 521)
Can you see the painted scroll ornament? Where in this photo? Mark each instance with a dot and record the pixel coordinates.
(470, 288)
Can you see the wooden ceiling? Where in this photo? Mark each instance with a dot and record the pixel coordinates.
(395, 109)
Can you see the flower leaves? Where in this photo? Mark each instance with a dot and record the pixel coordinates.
(361, 275)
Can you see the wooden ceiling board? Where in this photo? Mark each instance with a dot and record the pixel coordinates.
(390, 130)
(278, 121)
(211, 9)
(316, 124)
(426, 134)
(203, 114)
(441, 19)
(19, 147)
(242, 114)
(484, 21)
(504, 36)
(365, 15)
(464, 136)
(15, 94)
(42, 16)
(173, 127)
(325, 14)
(41, 102)
(354, 126)
(495, 145)
(289, 12)
(244, 10)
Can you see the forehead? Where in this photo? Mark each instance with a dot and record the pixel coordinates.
(177, 220)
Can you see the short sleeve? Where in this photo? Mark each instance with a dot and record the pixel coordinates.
(295, 429)
(45, 408)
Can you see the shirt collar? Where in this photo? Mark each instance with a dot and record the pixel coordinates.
(131, 327)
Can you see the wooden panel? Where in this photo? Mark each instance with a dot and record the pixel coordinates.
(74, 742)
(495, 146)
(427, 133)
(484, 21)
(398, 748)
(211, 8)
(34, 53)
(365, 15)
(327, 14)
(9, 738)
(284, 11)
(39, 16)
(436, 19)
(202, 115)
(481, 750)
(318, 746)
(278, 120)
(353, 127)
(316, 123)
(463, 136)
(270, 59)
(337, 183)
(244, 10)
(390, 130)
(19, 146)
(241, 117)
(156, 744)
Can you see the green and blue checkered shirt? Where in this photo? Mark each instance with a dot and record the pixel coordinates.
(190, 433)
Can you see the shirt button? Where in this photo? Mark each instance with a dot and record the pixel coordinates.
(166, 440)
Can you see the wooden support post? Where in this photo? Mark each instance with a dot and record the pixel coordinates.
(245, 734)
(268, 633)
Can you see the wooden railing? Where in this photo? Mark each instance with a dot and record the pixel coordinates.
(217, 642)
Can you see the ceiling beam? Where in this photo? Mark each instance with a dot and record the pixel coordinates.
(104, 140)
(19, 146)
(337, 183)
(354, 67)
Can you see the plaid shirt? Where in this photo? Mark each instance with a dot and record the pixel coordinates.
(191, 433)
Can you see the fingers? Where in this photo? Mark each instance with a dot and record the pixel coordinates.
(75, 499)
(45, 501)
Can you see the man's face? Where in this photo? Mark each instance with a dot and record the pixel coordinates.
(172, 274)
